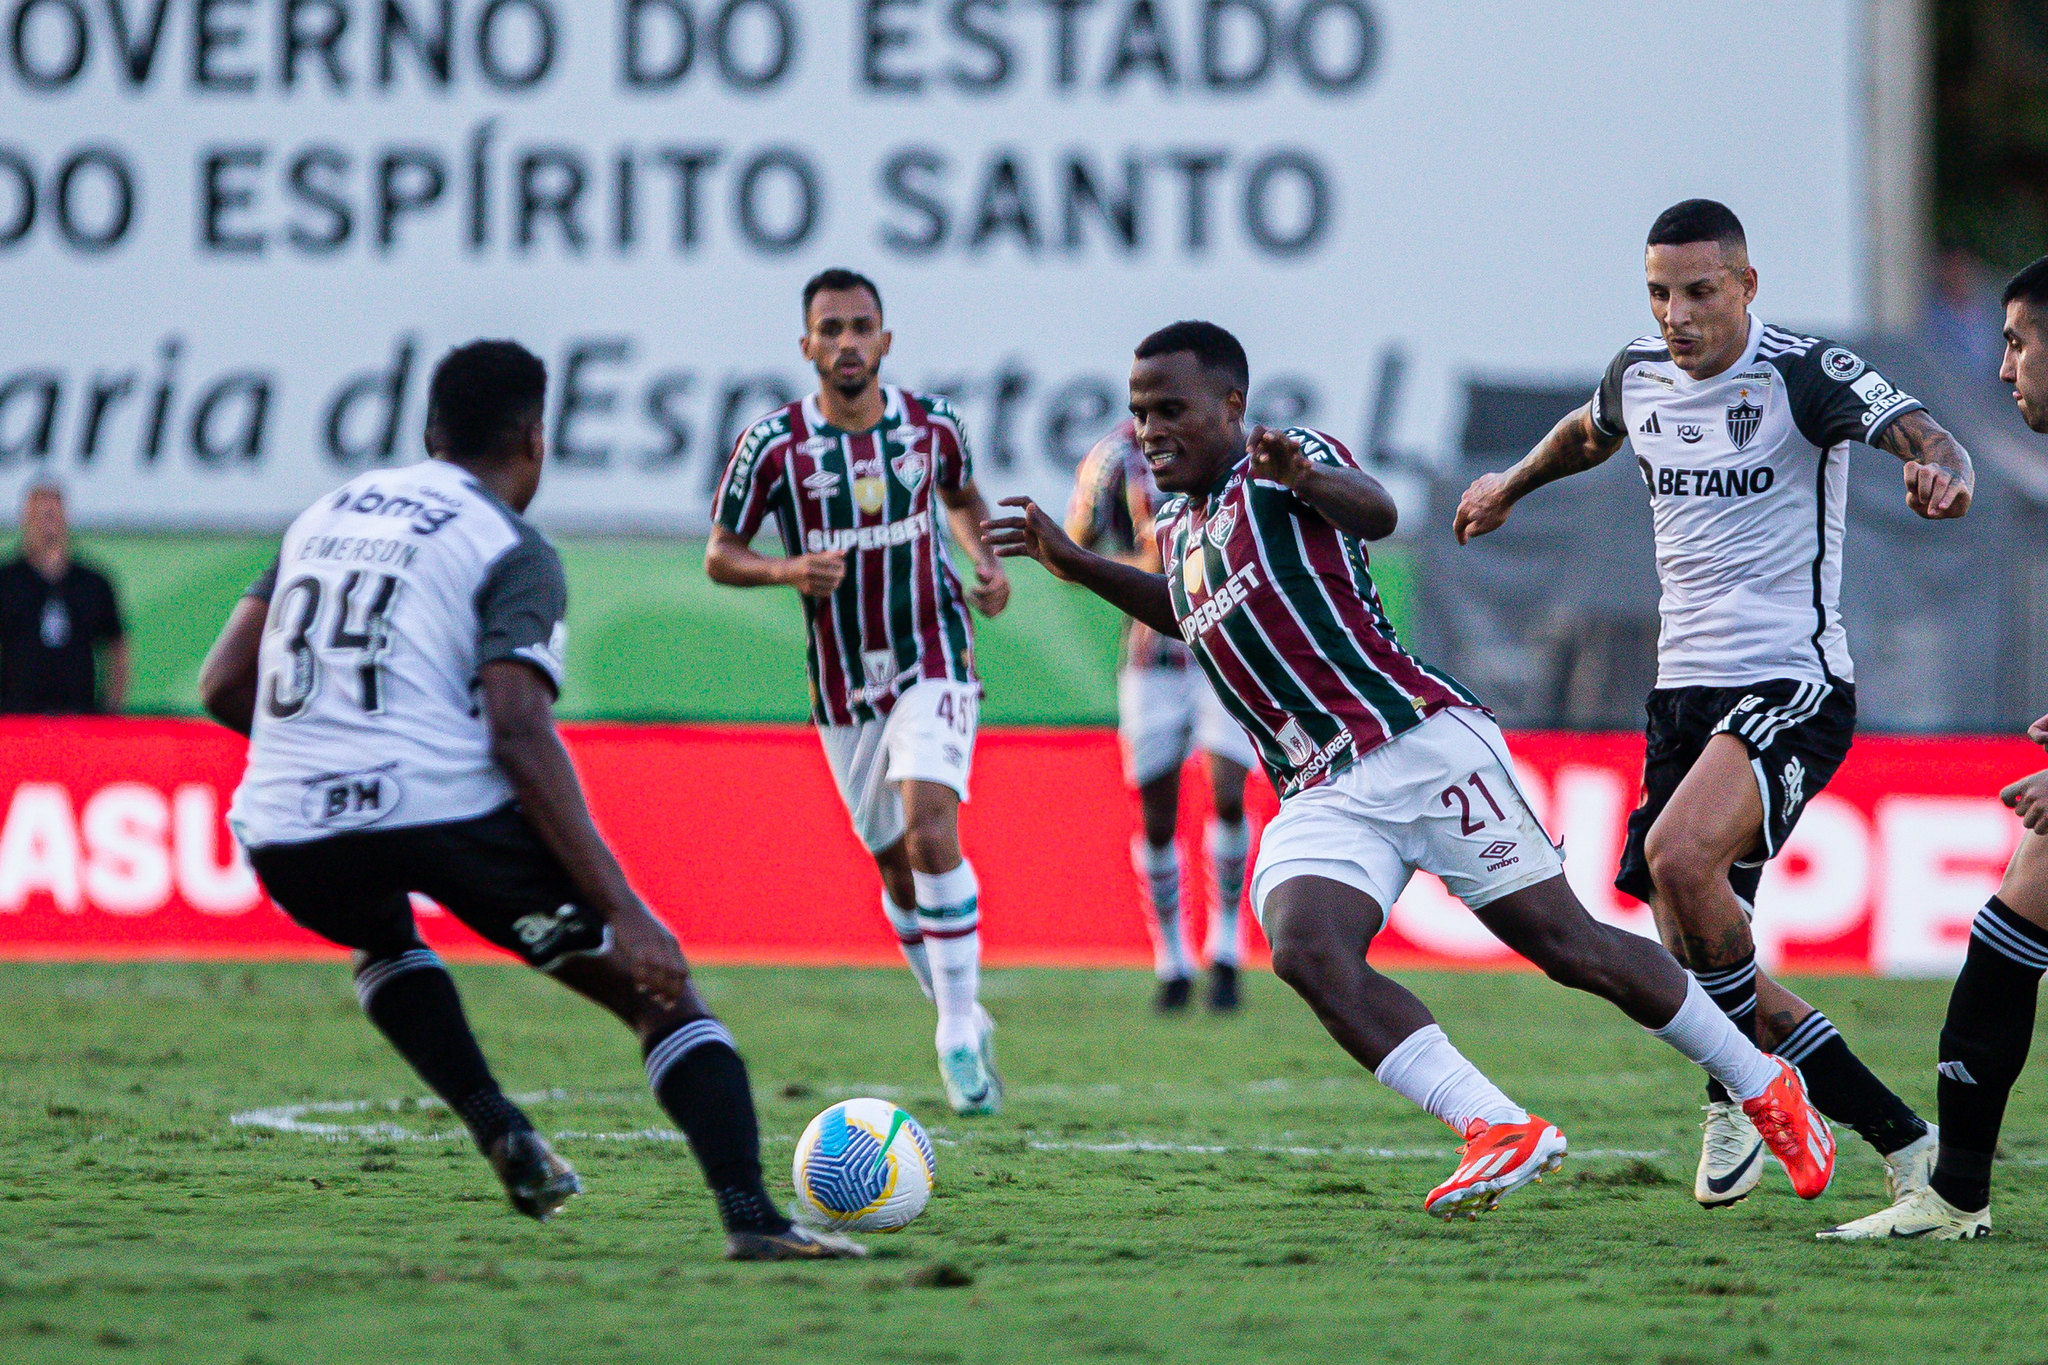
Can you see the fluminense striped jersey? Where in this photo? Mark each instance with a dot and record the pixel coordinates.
(1113, 490)
(899, 615)
(1281, 612)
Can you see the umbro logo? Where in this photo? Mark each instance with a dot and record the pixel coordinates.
(1499, 848)
(1650, 425)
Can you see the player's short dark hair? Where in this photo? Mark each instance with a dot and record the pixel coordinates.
(1697, 220)
(2030, 286)
(1215, 348)
(838, 277)
(482, 394)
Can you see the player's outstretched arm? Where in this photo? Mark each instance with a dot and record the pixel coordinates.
(1939, 479)
(227, 680)
(966, 510)
(1032, 534)
(519, 703)
(1573, 446)
(1351, 500)
(733, 562)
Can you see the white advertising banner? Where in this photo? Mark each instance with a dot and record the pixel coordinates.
(236, 234)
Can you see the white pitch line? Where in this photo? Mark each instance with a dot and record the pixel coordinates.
(292, 1118)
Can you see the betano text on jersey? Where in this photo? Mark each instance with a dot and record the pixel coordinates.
(1748, 475)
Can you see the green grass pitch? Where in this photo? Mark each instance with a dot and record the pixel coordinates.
(1157, 1190)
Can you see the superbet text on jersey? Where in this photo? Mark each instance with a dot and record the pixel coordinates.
(1748, 475)
(388, 595)
(1280, 609)
(899, 615)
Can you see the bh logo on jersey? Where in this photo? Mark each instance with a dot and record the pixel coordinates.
(350, 800)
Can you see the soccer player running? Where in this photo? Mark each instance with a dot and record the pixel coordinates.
(1990, 1023)
(862, 479)
(395, 672)
(1742, 433)
(1383, 766)
(1165, 708)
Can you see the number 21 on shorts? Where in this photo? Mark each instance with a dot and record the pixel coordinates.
(1454, 795)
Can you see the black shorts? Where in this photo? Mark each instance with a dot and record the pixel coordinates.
(1797, 734)
(492, 872)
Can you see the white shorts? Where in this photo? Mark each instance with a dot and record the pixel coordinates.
(928, 736)
(1164, 714)
(1439, 798)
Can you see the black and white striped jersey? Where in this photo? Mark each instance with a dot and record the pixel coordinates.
(388, 595)
(1748, 475)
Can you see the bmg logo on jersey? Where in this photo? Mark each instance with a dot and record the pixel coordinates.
(343, 801)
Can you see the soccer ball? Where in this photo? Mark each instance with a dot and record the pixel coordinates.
(863, 1166)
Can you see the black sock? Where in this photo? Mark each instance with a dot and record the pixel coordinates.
(1842, 1088)
(1984, 1047)
(702, 1084)
(1733, 988)
(411, 999)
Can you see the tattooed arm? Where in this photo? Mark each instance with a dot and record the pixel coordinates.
(1939, 479)
(1573, 446)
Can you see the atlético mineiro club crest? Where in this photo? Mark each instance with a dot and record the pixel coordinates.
(1743, 420)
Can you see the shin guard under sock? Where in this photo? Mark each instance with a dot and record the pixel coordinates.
(701, 1083)
(1984, 1045)
(1733, 987)
(411, 999)
(1844, 1089)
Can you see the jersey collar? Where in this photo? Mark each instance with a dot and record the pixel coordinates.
(892, 413)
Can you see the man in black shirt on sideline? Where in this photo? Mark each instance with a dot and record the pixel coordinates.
(54, 614)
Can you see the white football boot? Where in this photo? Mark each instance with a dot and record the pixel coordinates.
(1924, 1214)
(1912, 1166)
(1732, 1156)
(969, 1073)
(988, 1053)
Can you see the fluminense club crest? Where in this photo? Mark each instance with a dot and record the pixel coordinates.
(910, 467)
(1221, 525)
(1743, 420)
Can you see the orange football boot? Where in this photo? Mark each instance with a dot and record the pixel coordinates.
(1496, 1158)
(1794, 1131)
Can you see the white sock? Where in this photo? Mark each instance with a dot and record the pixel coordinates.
(903, 919)
(949, 918)
(1704, 1035)
(1229, 845)
(1159, 878)
(1428, 1070)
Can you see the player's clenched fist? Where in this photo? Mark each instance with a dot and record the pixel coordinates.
(991, 590)
(1935, 493)
(1032, 535)
(817, 575)
(651, 955)
(1483, 508)
(1277, 457)
(2028, 799)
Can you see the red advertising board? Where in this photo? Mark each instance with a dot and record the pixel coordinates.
(113, 846)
